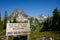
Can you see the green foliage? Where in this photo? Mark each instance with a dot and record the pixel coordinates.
(34, 24)
(56, 20)
(34, 36)
(33, 28)
(47, 24)
(14, 20)
(1, 25)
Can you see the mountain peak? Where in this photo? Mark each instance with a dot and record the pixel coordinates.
(18, 12)
(42, 17)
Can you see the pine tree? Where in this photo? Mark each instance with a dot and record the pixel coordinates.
(55, 20)
(5, 19)
(58, 21)
(0, 17)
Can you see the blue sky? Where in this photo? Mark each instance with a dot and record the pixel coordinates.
(31, 7)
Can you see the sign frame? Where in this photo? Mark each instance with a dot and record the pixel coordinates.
(27, 29)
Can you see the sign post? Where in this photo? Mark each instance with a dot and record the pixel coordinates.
(6, 37)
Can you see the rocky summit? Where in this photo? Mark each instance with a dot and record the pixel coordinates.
(20, 15)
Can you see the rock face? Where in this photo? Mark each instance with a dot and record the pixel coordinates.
(20, 15)
(42, 17)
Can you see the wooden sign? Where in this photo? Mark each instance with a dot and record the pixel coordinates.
(17, 29)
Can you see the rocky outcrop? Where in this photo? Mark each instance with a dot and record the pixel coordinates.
(20, 15)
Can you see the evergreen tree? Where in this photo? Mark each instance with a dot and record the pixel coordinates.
(0, 17)
(55, 20)
(59, 19)
(5, 19)
(1, 23)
